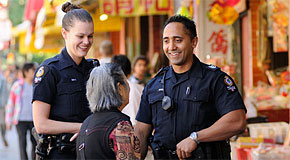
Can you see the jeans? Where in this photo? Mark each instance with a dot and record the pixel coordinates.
(22, 128)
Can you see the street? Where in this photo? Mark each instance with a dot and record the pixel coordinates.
(12, 151)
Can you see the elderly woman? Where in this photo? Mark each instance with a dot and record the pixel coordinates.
(107, 133)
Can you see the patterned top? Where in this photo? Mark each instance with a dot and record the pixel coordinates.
(124, 143)
(14, 103)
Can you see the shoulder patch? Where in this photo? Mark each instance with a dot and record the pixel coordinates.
(212, 67)
(229, 83)
(40, 73)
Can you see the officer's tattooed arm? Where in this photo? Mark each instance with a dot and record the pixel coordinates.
(143, 131)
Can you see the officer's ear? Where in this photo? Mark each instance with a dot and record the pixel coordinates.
(194, 42)
(64, 33)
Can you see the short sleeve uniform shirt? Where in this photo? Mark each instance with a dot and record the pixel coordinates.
(200, 97)
(62, 84)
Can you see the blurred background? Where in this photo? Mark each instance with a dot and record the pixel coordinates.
(248, 39)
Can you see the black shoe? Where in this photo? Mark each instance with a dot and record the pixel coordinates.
(5, 143)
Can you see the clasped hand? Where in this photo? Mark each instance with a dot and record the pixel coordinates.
(185, 148)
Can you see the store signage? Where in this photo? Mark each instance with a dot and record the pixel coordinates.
(128, 8)
(278, 19)
(219, 42)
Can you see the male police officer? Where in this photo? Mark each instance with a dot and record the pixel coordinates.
(193, 107)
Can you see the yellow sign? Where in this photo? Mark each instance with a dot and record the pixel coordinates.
(106, 26)
(128, 8)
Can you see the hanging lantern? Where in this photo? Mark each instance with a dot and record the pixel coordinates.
(222, 13)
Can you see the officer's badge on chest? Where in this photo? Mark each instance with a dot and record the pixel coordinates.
(229, 84)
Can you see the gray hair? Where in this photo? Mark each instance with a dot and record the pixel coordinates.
(102, 87)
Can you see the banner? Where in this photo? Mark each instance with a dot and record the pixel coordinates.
(280, 17)
(127, 8)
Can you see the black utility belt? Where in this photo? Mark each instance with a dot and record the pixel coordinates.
(164, 154)
(62, 143)
(203, 151)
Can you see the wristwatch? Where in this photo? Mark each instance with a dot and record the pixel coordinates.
(194, 136)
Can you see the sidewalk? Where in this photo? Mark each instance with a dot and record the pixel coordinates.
(12, 151)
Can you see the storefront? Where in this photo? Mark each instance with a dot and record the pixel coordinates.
(254, 50)
(219, 32)
(267, 88)
(265, 79)
(141, 31)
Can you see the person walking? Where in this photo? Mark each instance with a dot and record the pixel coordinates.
(59, 96)
(19, 109)
(4, 93)
(192, 107)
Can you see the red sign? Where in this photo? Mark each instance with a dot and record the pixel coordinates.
(135, 7)
(219, 42)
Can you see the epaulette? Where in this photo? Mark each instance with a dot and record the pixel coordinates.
(161, 71)
(51, 60)
(212, 67)
(95, 62)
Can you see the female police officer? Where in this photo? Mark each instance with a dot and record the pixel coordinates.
(59, 101)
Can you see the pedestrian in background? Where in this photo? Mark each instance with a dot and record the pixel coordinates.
(140, 64)
(107, 51)
(107, 133)
(193, 107)
(135, 89)
(19, 109)
(59, 98)
(4, 93)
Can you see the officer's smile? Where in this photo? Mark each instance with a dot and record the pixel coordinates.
(84, 49)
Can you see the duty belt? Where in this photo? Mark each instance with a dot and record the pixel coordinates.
(62, 143)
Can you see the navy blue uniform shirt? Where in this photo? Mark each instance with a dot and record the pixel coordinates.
(62, 84)
(201, 96)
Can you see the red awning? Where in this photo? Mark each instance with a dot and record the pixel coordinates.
(31, 9)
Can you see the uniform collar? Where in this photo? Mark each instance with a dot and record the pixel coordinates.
(196, 68)
(194, 71)
(67, 61)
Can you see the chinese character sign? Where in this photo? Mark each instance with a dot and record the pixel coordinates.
(135, 7)
(218, 41)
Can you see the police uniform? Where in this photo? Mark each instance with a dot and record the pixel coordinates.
(200, 97)
(62, 84)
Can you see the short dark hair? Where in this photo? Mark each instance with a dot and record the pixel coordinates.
(124, 62)
(189, 25)
(74, 12)
(26, 67)
(141, 57)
